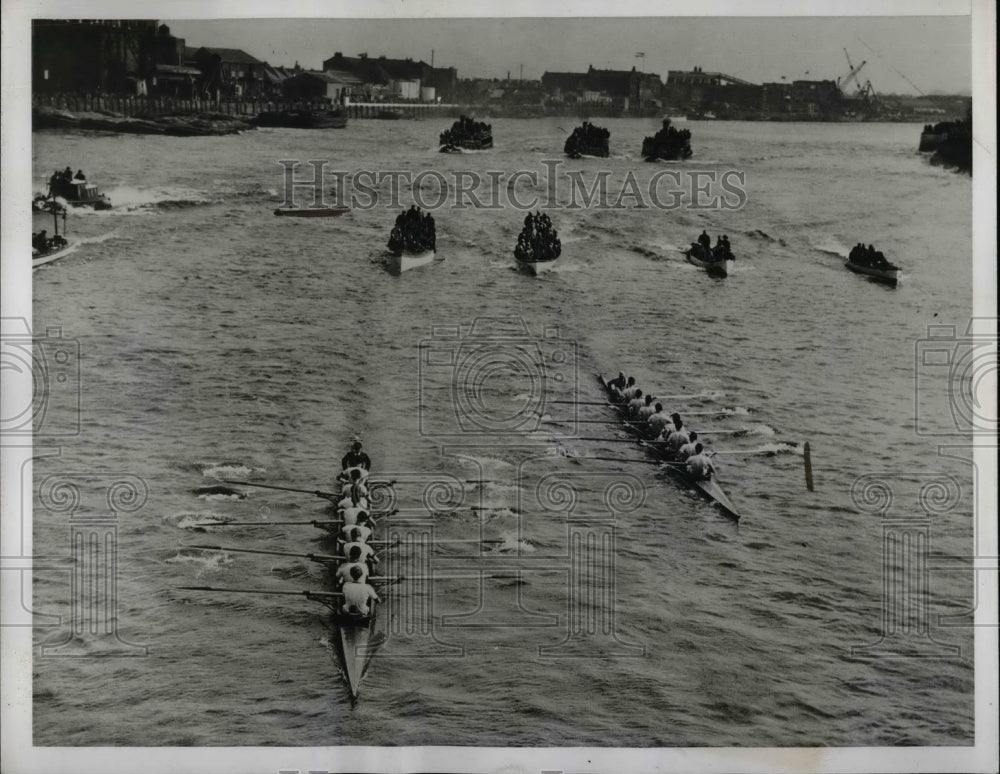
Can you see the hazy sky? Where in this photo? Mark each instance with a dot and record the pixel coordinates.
(904, 54)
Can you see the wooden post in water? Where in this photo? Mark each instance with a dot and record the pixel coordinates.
(809, 468)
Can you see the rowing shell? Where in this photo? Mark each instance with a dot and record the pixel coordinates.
(709, 488)
(353, 636)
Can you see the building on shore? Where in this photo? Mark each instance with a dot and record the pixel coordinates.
(228, 73)
(335, 86)
(627, 91)
(116, 56)
(395, 79)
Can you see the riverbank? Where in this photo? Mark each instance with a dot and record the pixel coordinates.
(179, 125)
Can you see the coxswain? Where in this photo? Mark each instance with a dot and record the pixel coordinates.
(699, 465)
(356, 458)
(358, 595)
(618, 382)
(343, 574)
(688, 449)
(646, 410)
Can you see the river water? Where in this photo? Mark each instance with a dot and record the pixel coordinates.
(217, 341)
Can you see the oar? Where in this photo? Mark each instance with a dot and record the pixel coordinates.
(314, 523)
(315, 492)
(436, 542)
(614, 440)
(622, 459)
(311, 557)
(616, 459)
(307, 594)
(582, 402)
(744, 451)
(474, 576)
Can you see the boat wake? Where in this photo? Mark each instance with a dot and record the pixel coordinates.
(145, 200)
(199, 521)
(222, 470)
(204, 561)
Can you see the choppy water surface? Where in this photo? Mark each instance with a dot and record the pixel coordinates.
(218, 341)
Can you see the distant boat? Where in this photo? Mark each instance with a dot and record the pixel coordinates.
(669, 144)
(714, 267)
(307, 212)
(889, 275)
(466, 134)
(587, 140)
(389, 115)
(77, 192)
(411, 259)
(536, 268)
(302, 119)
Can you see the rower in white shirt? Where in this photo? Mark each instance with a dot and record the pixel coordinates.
(358, 595)
(629, 392)
(646, 410)
(689, 449)
(678, 435)
(367, 552)
(699, 465)
(635, 404)
(356, 533)
(657, 422)
(353, 560)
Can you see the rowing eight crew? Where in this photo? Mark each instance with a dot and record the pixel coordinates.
(359, 557)
(658, 427)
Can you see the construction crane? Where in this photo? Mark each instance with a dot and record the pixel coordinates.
(842, 84)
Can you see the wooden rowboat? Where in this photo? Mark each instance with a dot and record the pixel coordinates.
(709, 488)
(407, 259)
(40, 259)
(534, 268)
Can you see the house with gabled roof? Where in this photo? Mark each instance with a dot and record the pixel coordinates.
(228, 72)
